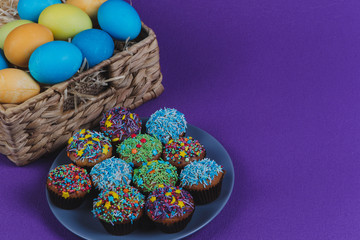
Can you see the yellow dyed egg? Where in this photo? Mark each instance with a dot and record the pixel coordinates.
(23, 40)
(16, 86)
(7, 28)
(89, 6)
(65, 20)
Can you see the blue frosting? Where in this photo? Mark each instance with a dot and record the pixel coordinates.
(166, 123)
(111, 173)
(200, 172)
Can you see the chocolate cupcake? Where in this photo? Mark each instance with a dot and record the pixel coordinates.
(111, 173)
(139, 149)
(119, 211)
(171, 208)
(166, 124)
(68, 186)
(203, 179)
(182, 151)
(87, 148)
(119, 123)
(148, 177)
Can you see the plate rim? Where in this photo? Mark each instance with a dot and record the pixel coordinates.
(218, 210)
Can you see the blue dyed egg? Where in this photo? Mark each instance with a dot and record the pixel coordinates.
(31, 9)
(3, 62)
(96, 45)
(55, 62)
(119, 19)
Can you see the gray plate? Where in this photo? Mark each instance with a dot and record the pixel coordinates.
(82, 223)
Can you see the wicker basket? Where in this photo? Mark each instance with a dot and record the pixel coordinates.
(45, 122)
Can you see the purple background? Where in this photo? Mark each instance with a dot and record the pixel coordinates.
(277, 83)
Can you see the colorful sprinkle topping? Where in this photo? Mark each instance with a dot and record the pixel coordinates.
(200, 172)
(182, 149)
(88, 145)
(140, 148)
(169, 202)
(166, 123)
(119, 123)
(153, 173)
(110, 173)
(115, 206)
(69, 179)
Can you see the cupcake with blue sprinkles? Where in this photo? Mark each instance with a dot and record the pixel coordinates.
(166, 124)
(111, 173)
(139, 149)
(119, 123)
(119, 210)
(148, 177)
(87, 148)
(203, 179)
(170, 208)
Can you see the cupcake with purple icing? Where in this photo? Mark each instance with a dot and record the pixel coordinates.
(203, 179)
(119, 123)
(170, 208)
(166, 124)
(87, 148)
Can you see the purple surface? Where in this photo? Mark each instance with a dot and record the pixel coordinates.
(277, 83)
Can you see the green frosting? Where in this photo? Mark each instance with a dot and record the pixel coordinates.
(151, 174)
(139, 148)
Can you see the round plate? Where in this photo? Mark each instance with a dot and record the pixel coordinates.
(81, 222)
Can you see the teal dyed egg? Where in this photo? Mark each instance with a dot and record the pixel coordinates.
(55, 62)
(119, 19)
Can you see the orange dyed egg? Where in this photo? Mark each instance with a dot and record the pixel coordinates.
(16, 86)
(89, 6)
(22, 42)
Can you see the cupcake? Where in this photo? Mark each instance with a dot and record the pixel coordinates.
(87, 148)
(119, 123)
(139, 149)
(111, 173)
(166, 124)
(182, 151)
(203, 179)
(151, 174)
(171, 208)
(119, 211)
(68, 186)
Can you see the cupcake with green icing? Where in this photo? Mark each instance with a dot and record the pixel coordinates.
(148, 177)
(119, 210)
(139, 149)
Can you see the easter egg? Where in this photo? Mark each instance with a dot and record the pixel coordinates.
(23, 40)
(119, 19)
(89, 6)
(31, 9)
(16, 86)
(3, 62)
(7, 28)
(96, 45)
(65, 20)
(55, 62)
